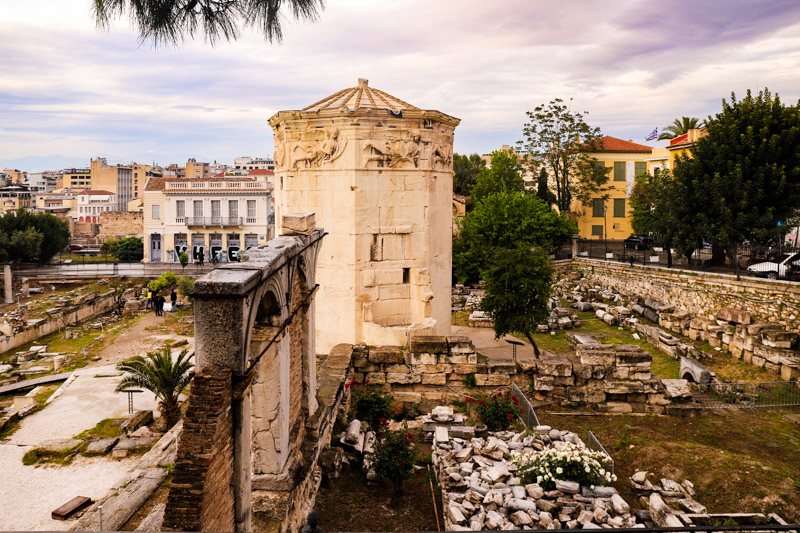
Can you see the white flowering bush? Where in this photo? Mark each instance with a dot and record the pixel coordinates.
(570, 463)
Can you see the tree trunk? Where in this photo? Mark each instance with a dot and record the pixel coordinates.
(669, 255)
(536, 351)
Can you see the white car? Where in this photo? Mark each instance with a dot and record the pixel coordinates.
(775, 269)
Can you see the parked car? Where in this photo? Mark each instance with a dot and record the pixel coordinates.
(75, 247)
(786, 265)
(638, 242)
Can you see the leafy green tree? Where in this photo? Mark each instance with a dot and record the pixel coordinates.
(518, 287)
(26, 244)
(743, 177)
(653, 208)
(162, 376)
(164, 281)
(54, 231)
(171, 21)
(504, 175)
(129, 249)
(543, 188)
(465, 172)
(560, 141)
(185, 287)
(109, 245)
(394, 456)
(504, 220)
(3, 247)
(680, 126)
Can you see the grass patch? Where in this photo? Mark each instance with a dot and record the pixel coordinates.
(39, 456)
(108, 428)
(460, 318)
(9, 430)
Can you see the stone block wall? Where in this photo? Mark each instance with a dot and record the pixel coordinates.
(433, 369)
(747, 319)
(616, 378)
(120, 224)
(201, 496)
(699, 293)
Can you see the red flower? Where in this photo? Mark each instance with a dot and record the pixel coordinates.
(346, 385)
(469, 399)
(407, 441)
(516, 402)
(514, 398)
(522, 410)
(382, 420)
(366, 381)
(401, 463)
(479, 416)
(410, 436)
(510, 415)
(480, 401)
(500, 393)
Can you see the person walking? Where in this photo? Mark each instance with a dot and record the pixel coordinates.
(159, 304)
(173, 298)
(149, 299)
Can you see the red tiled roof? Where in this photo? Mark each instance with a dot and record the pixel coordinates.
(95, 192)
(220, 175)
(612, 144)
(260, 172)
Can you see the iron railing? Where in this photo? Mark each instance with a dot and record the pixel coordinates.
(214, 221)
(528, 415)
(747, 395)
(735, 261)
(593, 443)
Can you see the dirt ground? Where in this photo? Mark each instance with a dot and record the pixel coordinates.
(739, 460)
(148, 334)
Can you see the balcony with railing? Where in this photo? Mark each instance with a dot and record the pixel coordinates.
(193, 187)
(211, 221)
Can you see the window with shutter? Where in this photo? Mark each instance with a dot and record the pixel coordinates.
(597, 231)
(619, 207)
(619, 170)
(597, 207)
(641, 168)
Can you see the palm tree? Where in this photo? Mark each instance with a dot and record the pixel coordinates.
(162, 376)
(679, 127)
(170, 21)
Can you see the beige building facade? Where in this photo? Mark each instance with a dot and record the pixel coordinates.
(205, 217)
(117, 179)
(378, 174)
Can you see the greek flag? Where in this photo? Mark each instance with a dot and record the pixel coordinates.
(653, 135)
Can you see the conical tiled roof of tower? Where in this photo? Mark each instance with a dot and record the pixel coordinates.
(359, 97)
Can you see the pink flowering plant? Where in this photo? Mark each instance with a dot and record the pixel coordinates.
(395, 455)
(496, 411)
(570, 463)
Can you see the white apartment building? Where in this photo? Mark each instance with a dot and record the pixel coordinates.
(205, 217)
(91, 203)
(243, 165)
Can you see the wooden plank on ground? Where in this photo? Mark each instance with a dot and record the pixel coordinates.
(35, 381)
(78, 503)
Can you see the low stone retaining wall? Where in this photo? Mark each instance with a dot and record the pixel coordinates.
(433, 371)
(732, 330)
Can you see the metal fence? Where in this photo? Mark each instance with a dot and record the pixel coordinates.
(747, 395)
(593, 443)
(772, 261)
(528, 415)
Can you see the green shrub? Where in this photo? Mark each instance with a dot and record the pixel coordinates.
(374, 407)
(164, 281)
(185, 287)
(129, 249)
(497, 411)
(570, 463)
(470, 382)
(395, 455)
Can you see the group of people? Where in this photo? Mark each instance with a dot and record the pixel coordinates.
(156, 301)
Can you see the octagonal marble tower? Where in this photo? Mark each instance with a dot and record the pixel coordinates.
(378, 173)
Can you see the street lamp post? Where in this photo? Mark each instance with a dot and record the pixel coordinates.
(605, 227)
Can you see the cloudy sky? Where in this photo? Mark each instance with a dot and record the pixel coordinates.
(70, 89)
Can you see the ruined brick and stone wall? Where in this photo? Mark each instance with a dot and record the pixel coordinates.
(201, 498)
(752, 320)
(119, 224)
(699, 293)
(433, 371)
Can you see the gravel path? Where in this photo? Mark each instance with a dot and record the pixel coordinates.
(28, 494)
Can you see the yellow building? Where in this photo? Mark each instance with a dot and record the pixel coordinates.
(197, 169)
(609, 218)
(76, 179)
(117, 179)
(14, 198)
(682, 144)
(140, 173)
